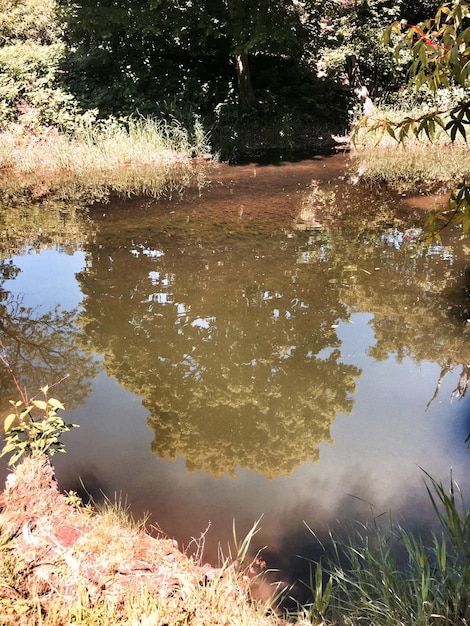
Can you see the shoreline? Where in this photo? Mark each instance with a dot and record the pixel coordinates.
(65, 552)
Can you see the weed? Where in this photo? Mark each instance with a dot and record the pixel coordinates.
(28, 433)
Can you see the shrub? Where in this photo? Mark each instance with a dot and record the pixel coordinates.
(26, 433)
(30, 93)
(32, 20)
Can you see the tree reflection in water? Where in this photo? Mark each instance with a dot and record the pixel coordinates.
(42, 348)
(229, 331)
(42, 345)
(232, 341)
(234, 350)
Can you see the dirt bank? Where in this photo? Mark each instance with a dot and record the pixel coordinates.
(59, 561)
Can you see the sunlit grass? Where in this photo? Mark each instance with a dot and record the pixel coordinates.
(378, 157)
(414, 163)
(219, 604)
(138, 157)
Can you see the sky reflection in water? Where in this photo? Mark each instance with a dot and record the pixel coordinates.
(289, 373)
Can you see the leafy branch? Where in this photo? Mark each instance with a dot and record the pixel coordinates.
(34, 427)
(439, 49)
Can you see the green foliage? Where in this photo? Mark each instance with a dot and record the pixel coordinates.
(29, 90)
(439, 47)
(28, 20)
(62, 60)
(439, 53)
(26, 433)
(340, 29)
(73, 499)
(396, 576)
(344, 29)
(177, 59)
(30, 53)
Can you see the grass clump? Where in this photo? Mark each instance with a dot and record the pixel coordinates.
(65, 563)
(128, 157)
(396, 576)
(424, 161)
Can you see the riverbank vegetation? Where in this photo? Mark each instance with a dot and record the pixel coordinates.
(52, 146)
(384, 574)
(240, 78)
(98, 99)
(63, 563)
(438, 55)
(139, 157)
(276, 76)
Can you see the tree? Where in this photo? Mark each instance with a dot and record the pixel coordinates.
(345, 29)
(439, 52)
(264, 28)
(158, 54)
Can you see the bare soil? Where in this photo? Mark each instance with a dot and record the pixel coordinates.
(63, 552)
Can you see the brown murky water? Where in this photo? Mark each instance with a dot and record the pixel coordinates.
(271, 347)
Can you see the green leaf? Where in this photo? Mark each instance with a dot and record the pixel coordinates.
(9, 421)
(390, 131)
(56, 404)
(7, 448)
(40, 404)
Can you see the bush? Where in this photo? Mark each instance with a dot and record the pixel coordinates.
(28, 20)
(29, 88)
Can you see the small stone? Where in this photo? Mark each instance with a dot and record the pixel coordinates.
(133, 566)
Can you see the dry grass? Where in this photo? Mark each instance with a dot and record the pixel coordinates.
(141, 157)
(380, 158)
(63, 564)
(416, 162)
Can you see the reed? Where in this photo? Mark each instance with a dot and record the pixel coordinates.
(396, 576)
(417, 163)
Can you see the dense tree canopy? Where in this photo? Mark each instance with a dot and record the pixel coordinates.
(165, 56)
(220, 58)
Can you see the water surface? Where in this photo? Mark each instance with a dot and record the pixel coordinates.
(252, 351)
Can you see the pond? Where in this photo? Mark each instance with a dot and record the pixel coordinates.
(272, 347)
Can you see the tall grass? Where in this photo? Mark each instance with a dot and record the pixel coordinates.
(380, 158)
(396, 576)
(131, 157)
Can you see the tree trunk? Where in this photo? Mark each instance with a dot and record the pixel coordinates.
(237, 27)
(357, 83)
(245, 88)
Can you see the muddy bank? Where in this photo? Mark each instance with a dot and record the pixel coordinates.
(66, 556)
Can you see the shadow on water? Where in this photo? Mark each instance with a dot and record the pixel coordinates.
(270, 346)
